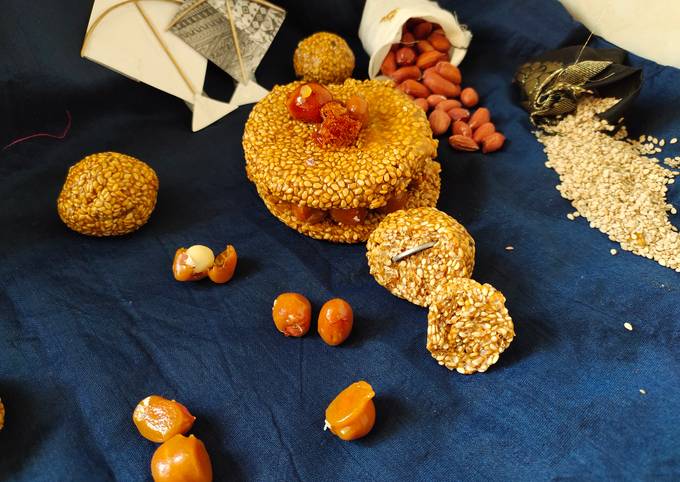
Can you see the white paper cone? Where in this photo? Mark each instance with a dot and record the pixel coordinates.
(382, 21)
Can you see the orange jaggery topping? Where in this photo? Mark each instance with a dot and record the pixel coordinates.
(336, 320)
(292, 314)
(224, 266)
(339, 128)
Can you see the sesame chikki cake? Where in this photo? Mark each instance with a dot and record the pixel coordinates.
(468, 326)
(392, 158)
(414, 278)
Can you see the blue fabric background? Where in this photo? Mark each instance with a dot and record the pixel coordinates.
(88, 326)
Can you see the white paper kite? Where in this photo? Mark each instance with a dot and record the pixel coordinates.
(131, 37)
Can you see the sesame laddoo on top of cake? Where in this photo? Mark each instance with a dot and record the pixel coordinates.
(334, 171)
(323, 57)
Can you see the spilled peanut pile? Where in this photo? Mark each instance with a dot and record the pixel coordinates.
(612, 184)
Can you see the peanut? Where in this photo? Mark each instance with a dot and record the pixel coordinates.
(461, 128)
(469, 97)
(439, 42)
(493, 142)
(405, 56)
(439, 85)
(422, 103)
(463, 143)
(407, 38)
(428, 59)
(481, 116)
(448, 104)
(458, 113)
(414, 88)
(483, 131)
(389, 65)
(400, 75)
(439, 122)
(449, 71)
(422, 30)
(435, 99)
(424, 46)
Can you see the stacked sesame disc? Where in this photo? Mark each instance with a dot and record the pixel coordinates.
(468, 324)
(393, 155)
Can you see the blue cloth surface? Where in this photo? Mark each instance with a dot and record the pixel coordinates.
(89, 326)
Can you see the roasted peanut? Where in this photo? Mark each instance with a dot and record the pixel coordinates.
(429, 59)
(463, 143)
(461, 128)
(439, 42)
(481, 116)
(434, 99)
(422, 103)
(424, 46)
(439, 85)
(400, 75)
(439, 122)
(469, 97)
(493, 142)
(447, 105)
(422, 30)
(483, 131)
(449, 71)
(407, 38)
(389, 65)
(405, 56)
(413, 88)
(458, 113)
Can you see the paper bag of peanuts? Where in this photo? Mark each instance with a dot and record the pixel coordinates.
(383, 21)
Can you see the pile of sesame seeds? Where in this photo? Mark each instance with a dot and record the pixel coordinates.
(613, 183)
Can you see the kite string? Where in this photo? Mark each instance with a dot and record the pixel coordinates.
(43, 134)
(236, 42)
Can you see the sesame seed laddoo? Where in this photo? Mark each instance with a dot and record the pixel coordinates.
(323, 57)
(415, 277)
(108, 194)
(340, 194)
(468, 326)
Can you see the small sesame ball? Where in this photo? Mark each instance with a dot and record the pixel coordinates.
(468, 326)
(323, 57)
(108, 194)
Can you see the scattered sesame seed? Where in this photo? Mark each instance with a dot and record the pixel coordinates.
(643, 391)
(674, 140)
(570, 217)
(662, 142)
(612, 252)
(628, 326)
(509, 248)
(655, 140)
(613, 182)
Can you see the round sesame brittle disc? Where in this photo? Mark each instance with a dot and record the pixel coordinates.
(108, 194)
(394, 153)
(415, 277)
(468, 326)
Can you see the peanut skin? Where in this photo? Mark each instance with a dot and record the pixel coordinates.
(493, 142)
(414, 88)
(439, 122)
(458, 113)
(481, 116)
(422, 30)
(469, 97)
(483, 131)
(424, 46)
(389, 65)
(410, 72)
(449, 71)
(422, 103)
(439, 42)
(439, 85)
(448, 104)
(435, 99)
(429, 59)
(460, 128)
(405, 56)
